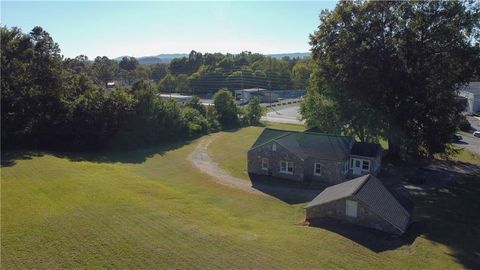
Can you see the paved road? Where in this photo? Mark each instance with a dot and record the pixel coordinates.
(289, 114)
(469, 142)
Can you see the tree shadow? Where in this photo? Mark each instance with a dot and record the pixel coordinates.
(451, 217)
(376, 241)
(137, 156)
(290, 192)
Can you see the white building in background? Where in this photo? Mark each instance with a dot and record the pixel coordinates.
(265, 96)
(181, 99)
(471, 93)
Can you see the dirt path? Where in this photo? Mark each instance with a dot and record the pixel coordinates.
(200, 159)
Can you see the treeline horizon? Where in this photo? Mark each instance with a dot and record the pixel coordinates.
(64, 104)
(200, 73)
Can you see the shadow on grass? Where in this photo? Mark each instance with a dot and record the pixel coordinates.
(285, 190)
(374, 240)
(451, 217)
(136, 156)
(448, 216)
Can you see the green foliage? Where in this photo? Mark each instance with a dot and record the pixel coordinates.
(463, 124)
(300, 74)
(226, 109)
(167, 84)
(392, 68)
(196, 104)
(253, 112)
(197, 124)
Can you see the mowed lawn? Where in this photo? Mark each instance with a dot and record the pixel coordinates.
(152, 209)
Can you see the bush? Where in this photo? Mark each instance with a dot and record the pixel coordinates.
(253, 112)
(464, 125)
(197, 124)
(227, 111)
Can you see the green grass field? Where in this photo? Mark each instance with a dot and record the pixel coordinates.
(152, 209)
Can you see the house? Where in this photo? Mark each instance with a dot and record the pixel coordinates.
(471, 94)
(362, 201)
(312, 156)
(245, 95)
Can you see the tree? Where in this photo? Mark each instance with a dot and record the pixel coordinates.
(128, 63)
(167, 84)
(225, 107)
(254, 111)
(399, 64)
(196, 104)
(105, 69)
(300, 75)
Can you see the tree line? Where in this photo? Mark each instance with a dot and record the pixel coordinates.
(200, 73)
(49, 101)
(392, 70)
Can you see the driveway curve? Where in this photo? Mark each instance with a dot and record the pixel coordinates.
(202, 161)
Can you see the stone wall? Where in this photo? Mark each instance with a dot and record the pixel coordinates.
(331, 171)
(274, 157)
(365, 217)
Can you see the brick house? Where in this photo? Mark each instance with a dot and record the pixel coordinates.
(312, 156)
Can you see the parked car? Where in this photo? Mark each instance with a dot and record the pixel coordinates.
(456, 138)
(476, 133)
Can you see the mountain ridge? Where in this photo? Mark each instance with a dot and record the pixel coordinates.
(168, 57)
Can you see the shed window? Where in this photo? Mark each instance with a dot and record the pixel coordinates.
(274, 147)
(351, 208)
(286, 167)
(366, 165)
(264, 163)
(317, 169)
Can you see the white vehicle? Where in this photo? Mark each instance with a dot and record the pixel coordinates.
(476, 133)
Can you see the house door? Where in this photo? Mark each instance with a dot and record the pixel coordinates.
(357, 167)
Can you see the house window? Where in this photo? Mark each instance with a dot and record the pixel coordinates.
(351, 208)
(264, 163)
(274, 147)
(286, 167)
(366, 165)
(317, 169)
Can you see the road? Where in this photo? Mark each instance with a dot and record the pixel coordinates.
(469, 142)
(289, 114)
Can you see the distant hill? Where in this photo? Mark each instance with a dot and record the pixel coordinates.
(166, 58)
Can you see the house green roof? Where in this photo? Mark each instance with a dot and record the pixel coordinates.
(308, 144)
(269, 134)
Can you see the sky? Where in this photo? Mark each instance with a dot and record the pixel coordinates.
(137, 29)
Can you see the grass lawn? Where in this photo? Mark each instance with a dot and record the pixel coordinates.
(152, 209)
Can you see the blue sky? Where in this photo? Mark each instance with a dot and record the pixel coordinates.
(149, 28)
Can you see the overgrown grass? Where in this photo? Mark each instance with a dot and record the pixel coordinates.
(152, 209)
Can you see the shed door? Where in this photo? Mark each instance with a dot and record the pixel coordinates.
(351, 208)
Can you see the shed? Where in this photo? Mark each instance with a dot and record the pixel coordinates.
(363, 201)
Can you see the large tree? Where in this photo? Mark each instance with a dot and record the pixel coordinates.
(397, 66)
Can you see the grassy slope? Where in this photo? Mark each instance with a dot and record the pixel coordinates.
(159, 211)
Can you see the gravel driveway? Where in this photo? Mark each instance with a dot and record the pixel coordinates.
(202, 161)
